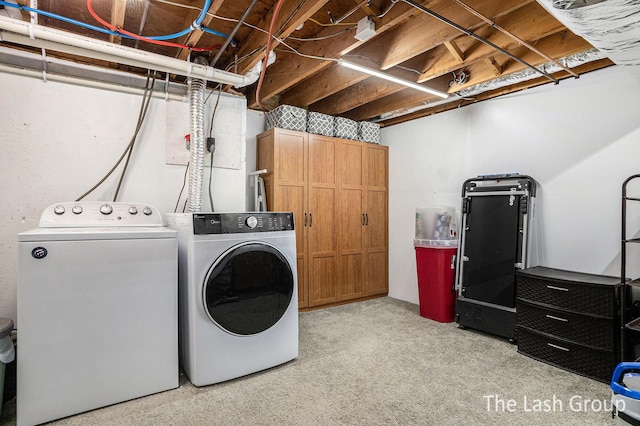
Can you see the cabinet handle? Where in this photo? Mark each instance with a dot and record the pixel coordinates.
(557, 318)
(310, 220)
(362, 219)
(558, 347)
(552, 287)
(366, 215)
(305, 219)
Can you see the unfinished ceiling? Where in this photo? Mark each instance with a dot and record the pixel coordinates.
(471, 49)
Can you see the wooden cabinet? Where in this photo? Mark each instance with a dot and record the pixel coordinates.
(376, 220)
(569, 319)
(362, 219)
(337, 190)
(322, 246)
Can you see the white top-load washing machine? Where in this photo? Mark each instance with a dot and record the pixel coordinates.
(97, 309)
(238, 291)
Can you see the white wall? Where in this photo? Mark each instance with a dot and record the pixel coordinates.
(58, 140)
(256, 122)
(579, 140)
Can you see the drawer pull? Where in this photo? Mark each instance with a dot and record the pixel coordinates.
(558, 347)
(557, 318)
(552, 287)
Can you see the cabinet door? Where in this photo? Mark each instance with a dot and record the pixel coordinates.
(287, 191)
(376, 221)
(322, 234)
(351, 219)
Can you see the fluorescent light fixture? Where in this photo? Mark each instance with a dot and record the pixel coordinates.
(391, 78)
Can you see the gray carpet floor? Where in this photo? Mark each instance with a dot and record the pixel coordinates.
(377, 363)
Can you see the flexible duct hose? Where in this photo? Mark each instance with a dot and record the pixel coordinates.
(196, 112)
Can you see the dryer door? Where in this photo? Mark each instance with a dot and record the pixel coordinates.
(248, 288)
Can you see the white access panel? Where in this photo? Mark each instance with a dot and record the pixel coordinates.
(97, 319)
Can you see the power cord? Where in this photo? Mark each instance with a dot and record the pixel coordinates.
(146, 97)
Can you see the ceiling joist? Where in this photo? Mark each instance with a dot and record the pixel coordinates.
(447, 45)
(455, 51)
(118, 12)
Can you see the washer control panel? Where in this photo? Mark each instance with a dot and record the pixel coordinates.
(78, 214)
(238, 223)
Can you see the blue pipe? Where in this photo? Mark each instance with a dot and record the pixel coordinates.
(214, 32)
(203, 12)
(169, 36)
(198, 21)
(62, 18)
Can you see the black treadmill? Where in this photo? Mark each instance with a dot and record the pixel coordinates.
(495, 241)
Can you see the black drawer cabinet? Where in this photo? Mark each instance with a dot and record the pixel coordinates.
(569, 320)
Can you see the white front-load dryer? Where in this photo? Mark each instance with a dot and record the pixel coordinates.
(238, 287)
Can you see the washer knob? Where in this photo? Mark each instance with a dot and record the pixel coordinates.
(106, 209)
(251, 222)
(147, 211)
(58, 209)
(133, 210)
(76, 209)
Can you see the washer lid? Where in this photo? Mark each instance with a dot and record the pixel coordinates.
(78, 234)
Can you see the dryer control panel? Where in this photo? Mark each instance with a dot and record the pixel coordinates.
(79, 214)
(241, 223)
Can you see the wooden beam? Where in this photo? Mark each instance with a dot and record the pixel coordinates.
(325, 83)
(428, 35)
(194, 36)
(588, 67)
(424, 32)
(291, 14)
(546, 25)
(370, 10)
(285, 74)
(455, 51)
(440, 61)
(118, 12)
(362, 92)
(356, 95)
(555, 45)
(493, 65)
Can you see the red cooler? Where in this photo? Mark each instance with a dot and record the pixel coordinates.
(436, 262)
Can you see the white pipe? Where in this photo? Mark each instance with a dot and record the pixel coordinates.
(124, 54)
(254, 73)
(76, 81)
(258, 189)
(28, 64)
(72, 50)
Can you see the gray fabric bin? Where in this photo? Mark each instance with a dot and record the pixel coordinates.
(287, 117)
(369, 132)
(320, 124)
(345, 128)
